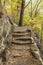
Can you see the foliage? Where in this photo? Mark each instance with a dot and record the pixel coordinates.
(13, 8)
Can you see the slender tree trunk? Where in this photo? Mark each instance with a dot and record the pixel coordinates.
(4, 2)
(37, 5)
(41, 32)
(1, 9)
(0, 5)
(21, 13)
(11, 7)
(0, 2)
(31, 9)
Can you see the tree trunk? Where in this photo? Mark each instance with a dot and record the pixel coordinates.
(31, 9)
(0, 5)
(1, 9)
(21, 13)
(4, 2)
(0, 2)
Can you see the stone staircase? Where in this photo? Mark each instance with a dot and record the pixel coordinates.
(21, 35)
(22, 50)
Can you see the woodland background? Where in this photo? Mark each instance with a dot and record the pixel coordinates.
(26, 12)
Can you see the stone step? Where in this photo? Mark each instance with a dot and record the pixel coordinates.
(21, 42)
(22, 38)
(19, 47)
(21, 34)
(21, 29)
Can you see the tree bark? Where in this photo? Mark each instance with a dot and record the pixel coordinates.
(0, 5)
(1, 9)
(21, 13)
(4, 2)
(0, 2)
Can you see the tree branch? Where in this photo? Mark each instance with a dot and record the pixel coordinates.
(35, 5)
(27, 5)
